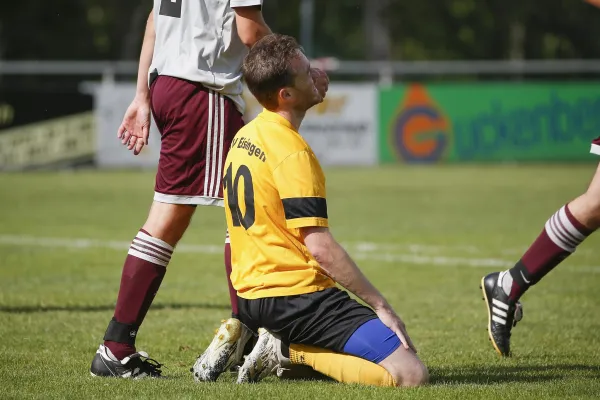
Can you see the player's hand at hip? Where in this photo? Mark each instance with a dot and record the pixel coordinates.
(594, 2)
(135, 128)
(393, 321)
(321, 81)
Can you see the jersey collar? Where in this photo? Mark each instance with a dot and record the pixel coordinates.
(274, 117)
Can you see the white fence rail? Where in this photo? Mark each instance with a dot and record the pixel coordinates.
(385, 70)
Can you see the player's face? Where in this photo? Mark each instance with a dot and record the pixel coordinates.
(304, 93)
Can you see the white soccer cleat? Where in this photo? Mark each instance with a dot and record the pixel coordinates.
(263, 360)
(225, 350)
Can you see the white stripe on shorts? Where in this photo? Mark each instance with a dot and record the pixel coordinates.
(221, 140)
(208, 140)
(215, 146)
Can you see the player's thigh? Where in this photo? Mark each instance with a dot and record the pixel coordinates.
(196, 126)
(586, 208)
(325, 318)
(375, 342)
(168, 222)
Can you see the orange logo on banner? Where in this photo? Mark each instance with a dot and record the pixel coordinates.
(421, 132)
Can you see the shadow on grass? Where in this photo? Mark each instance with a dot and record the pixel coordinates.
(490, 375)
(106, 307)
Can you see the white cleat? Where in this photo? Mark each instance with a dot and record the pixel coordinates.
(225, 350)
(264, 359)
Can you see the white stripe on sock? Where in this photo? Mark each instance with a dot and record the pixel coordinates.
(562, 215)
(152, 246)
(499, 312)
(557, 241)
(161, 244)
(147, 257)
(500, 304)
(560, 234)
(150, 253)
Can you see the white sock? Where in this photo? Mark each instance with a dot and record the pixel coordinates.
(505, 280)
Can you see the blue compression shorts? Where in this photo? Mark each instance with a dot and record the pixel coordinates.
(372, 341)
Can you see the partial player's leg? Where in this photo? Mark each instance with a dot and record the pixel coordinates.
(331, 333)
(143, 272)
(227, 346)
(192, 134)
(270, 354)
(562, 233)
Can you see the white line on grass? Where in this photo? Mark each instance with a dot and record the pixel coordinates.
(414, 254)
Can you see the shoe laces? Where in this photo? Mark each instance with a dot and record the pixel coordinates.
(148, 365)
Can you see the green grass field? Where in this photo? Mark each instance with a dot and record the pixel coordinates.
(425, 236)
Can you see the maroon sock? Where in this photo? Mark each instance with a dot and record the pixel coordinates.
(143, 272)
(233, 298)
(560, 237)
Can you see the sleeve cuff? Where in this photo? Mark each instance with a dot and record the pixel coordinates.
(245, 3)
(307, 222)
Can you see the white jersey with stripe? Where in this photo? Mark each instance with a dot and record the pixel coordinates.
(197, 40)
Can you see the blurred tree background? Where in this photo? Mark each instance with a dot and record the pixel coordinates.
(346, 29)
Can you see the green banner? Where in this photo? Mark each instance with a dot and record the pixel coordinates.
(488, 122)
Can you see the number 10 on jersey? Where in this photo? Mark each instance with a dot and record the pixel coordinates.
(231, 184)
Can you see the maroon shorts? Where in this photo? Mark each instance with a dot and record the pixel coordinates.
(196, 126)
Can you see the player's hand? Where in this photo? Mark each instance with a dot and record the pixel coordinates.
(135, 128)
(393, 321)
(321, 81)
(594, 2)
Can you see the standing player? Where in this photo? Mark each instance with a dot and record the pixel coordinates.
(562, 233)
(285, 260)
(192, 52)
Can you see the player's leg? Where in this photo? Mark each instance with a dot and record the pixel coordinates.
(270, 354)
(227, 346)
(334, 335)
(372, 355)
(143, 272)
(179, 109)
(563, 232)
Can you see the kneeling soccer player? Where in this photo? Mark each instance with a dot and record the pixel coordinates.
(285, 261)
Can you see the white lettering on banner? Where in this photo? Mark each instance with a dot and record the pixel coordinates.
(343, 129)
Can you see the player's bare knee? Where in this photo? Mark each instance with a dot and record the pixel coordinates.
(586, 208)
(168, 222)
(406, 368)
(411, 376)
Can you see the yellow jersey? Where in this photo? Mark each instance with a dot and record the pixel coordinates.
(273, 185)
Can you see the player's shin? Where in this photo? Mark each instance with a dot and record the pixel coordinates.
(341, 367)
(143, 272)
(559, 239)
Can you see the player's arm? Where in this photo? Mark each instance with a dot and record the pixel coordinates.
(594, 2)
(135, 128)
(146, 58)
(251, 25)
(336, 262)
(301, 187)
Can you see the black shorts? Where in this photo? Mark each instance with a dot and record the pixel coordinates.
(323, 319)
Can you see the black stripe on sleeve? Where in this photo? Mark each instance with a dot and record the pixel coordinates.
(305, 207)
